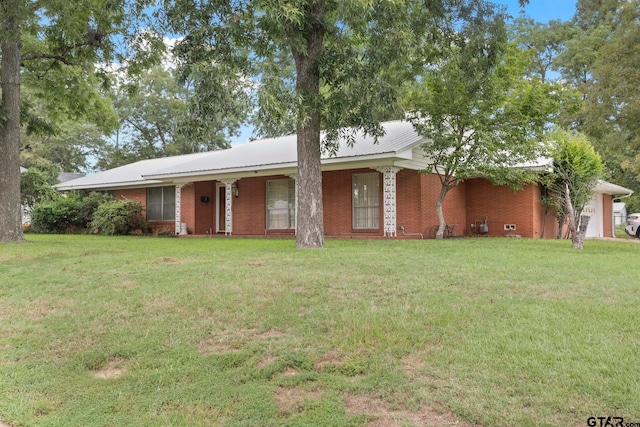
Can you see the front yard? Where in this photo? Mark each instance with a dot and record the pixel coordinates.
(135, 331)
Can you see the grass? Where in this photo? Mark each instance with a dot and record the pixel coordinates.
(100, 331)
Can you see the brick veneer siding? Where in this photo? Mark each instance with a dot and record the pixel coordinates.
(140, 195)
(416, 198)
(607, 216)
(188, 206)
(204, 212)
(136, 194)
(502, 206)
(338, 204)
(250, 207)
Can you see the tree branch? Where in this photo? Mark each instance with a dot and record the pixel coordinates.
(60, 58)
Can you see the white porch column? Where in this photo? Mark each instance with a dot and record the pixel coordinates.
(228, 210)
(389, 202)
(178, 215)
(294, 176)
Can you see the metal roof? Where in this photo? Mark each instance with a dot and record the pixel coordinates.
(605, 187)
(271, 153)
(123, 176)
(279, 152)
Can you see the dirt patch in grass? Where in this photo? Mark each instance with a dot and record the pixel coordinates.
(290, 399)
(234, 340)
(290, 371)
(114, 369)
(216, 346)
(382, 415)
(412, 364)
(254, 264)
(4, 424)
(267, 361)
(126, 284)
(330, 358)
(170, 260)
(47, 306)
(271, 334)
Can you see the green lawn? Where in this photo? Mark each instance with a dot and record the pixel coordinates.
(101, 331)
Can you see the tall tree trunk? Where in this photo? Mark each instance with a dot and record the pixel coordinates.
(310, 225)
(577, 227)
(577, 239)
(10, 210)
(447, 184)
(442, 224)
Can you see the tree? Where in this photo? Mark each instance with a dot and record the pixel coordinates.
(71, 147)
(36, 185)
(54, 48)
(155, 115)
(598, 60)
(10, 212)
(542, 42)
(576, 170)
(324, 63)
(477, 112)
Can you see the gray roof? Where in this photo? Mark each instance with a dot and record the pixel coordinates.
(281, 152)
(605, 187)
(124, 176)
(265, 154)
(68, 176)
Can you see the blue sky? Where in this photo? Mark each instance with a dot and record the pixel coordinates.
(542, 10)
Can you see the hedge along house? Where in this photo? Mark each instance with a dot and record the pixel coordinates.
(369, 190)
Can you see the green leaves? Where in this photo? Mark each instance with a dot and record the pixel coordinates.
(576, 168)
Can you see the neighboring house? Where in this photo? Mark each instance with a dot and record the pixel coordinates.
(619, 213)
(26, 210)
(369, 190)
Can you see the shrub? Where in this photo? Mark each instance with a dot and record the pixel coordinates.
(71, 214)
(117, 217)
(90, 203)
(57, 216)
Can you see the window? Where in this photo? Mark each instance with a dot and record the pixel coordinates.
(161, 203)
(366, 195)
(281, 204)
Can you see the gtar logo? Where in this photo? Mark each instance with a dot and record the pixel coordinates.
(605, 422)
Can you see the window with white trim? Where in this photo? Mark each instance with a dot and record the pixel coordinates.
(281, 204)
(161, 203)
(366, 200)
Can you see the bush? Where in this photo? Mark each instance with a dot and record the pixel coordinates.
(117, 218)
(90, 203)
(64, 215)
(58, 216)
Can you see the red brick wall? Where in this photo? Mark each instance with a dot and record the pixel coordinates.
(140, 195)
(250, 207)
(204, 213)
(416, 199)
(337, 204)
(188, 206)
(136, 194)
(502, 206)
(408, 202)
(607, 215)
